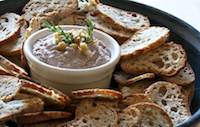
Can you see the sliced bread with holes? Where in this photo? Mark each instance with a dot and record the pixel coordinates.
(30, 118)
(12, 109)
(118, 33)
(144, 41)
(53, 98)
(129, 117)
(9, 27)
(96, 93)
(29, 105)
(100, 116)
(9, 87)
(185, 77)
(85, 106)
(171, 99)
(127, 20)
(14, 48)
(152, 116)
(53, 10)
(166, 60)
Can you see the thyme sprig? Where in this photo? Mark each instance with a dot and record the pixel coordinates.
(67, 37)
(90, 29)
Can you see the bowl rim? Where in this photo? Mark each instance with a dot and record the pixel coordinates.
(114, 58)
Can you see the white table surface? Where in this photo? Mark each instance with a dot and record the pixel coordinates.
(187, 10)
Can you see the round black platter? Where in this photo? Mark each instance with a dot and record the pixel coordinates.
(181, 33)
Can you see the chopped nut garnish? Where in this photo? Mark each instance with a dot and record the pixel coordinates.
(83, 46)
(57, 37)
(61, 46)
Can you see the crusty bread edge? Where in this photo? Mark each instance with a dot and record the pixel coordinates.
(156, 44)
(96, 93)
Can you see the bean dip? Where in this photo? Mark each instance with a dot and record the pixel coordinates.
(45, 49)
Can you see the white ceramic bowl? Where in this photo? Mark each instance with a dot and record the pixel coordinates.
(72, 79)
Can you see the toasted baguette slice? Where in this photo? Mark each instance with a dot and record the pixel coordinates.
(152, 115)
(87, 105)
(53, 10)
(30, 118)
(166, 60)
(184, 77)
(101, 116)
(129, 117)
(135, 98)
(28, 105)
(119, 34)
(140, 77)
(137, 87)
(170, 97)
(16, 108)
(9, 27)
(124, 79)
(8, 65)
(9, 87)
(14, 48)
(7, 112)
(127, 20)
(96, 93)
(4, 71)
(53, 98)
(144, 41)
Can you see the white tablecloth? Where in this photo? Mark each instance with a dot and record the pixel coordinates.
(187, 10)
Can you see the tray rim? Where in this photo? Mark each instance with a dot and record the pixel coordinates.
(193, 32)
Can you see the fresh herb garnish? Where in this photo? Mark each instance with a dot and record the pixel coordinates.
(67, 37)
(90, 28)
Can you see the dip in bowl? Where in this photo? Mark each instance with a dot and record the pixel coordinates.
(72, 66)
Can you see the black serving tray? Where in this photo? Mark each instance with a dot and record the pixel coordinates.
(182, 33)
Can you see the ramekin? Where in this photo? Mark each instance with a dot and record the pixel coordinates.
(66, 79)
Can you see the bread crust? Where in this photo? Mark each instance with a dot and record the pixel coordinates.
(104, 14)
(31, 118)
(9, 87)
(151, 107)
(15, 26)
(53, 98)
(52, 10)
(184, 77)
(8, 65)
(155, 61)
(140, 77)
(96, 93)
(146, 46)
(13, 49)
